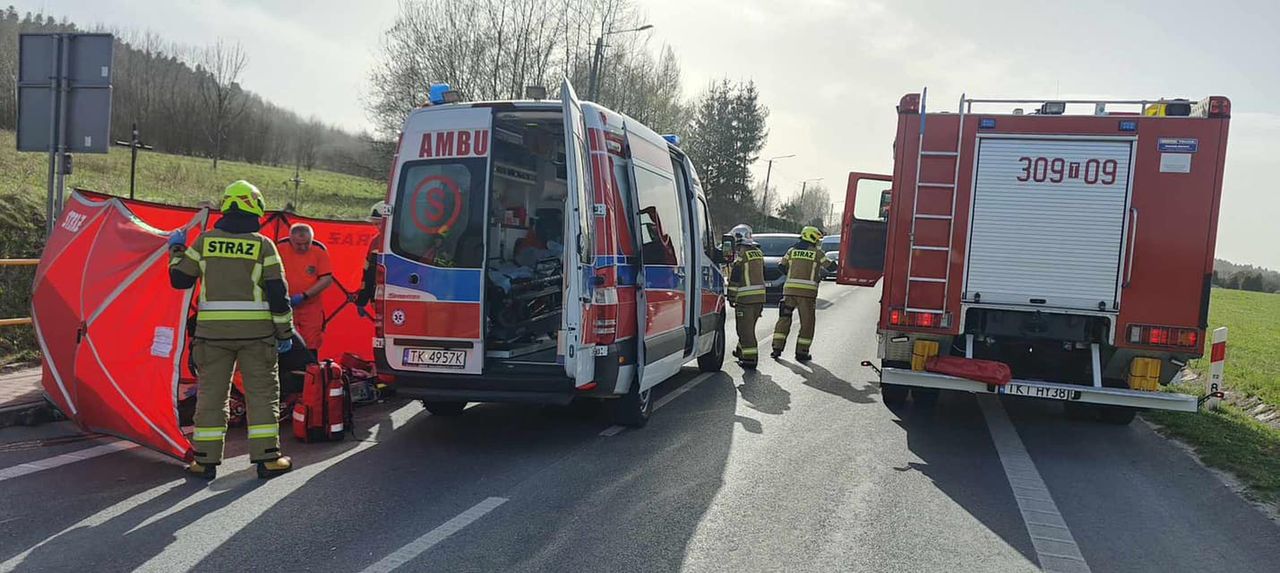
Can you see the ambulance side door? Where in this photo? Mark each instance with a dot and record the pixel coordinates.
(578, 356)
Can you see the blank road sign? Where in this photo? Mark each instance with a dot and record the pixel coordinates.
(88, 106)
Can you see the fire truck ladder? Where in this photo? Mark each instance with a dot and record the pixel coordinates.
(949, 217)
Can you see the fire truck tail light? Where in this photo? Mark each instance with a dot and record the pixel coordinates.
(1164, 336)
(900, 317)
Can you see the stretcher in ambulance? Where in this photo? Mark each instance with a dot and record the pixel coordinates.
(541, 251)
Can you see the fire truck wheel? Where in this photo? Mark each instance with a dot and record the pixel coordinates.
(1080, 411)
(444, 408)
(714, 361)
(1118, 415)
(633, 408)
(894, 396)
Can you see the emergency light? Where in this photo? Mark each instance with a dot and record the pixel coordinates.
(439, 94)
(672, 139)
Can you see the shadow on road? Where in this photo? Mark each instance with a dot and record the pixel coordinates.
(763, 394)
(578, 501)
(951, 440)
(142, 511)
(819, 378)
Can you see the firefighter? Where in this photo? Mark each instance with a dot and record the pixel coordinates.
(804, 264)
(308, 273)
(244, 320)
(746, 292)
(368, 277)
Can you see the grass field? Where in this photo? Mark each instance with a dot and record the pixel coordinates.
(188, 180)
(1230, 439)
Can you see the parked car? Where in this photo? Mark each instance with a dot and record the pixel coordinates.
(831, 245)
(774, 245)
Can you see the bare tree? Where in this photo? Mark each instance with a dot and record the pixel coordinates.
(220, 91)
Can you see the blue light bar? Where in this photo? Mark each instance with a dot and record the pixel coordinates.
(1128, 125)
(987, 123)
(435, 94)
(672, 139)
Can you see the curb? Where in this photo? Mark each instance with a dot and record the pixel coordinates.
(27, 414)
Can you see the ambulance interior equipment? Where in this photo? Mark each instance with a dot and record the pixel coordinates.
(524, 273)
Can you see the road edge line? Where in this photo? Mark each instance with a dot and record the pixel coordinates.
(1059, 552)
(431, 538)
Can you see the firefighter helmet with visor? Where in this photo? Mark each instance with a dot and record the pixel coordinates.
(741, 234)
(811, 234)
(245, 197)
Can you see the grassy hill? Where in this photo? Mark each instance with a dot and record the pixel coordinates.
(162, 178)
(189, 180)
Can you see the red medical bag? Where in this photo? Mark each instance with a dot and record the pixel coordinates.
(324, 412)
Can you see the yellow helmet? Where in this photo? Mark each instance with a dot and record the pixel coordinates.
(245, 197)
(811, 234)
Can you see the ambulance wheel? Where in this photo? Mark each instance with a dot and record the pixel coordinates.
(633, 408)
(444, 408)
(894, 396)
(714, 361)
(1118, 415)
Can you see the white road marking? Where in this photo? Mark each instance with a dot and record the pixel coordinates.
(612, 430)
(253, 498)
(681, 390)
(431, 538)
(1056, 548)
(615, 430)
(64, 459)
(97, 519)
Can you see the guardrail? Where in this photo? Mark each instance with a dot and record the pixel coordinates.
(17, 263)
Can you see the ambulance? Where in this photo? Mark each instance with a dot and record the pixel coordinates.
(1072, 241)
(541, 251)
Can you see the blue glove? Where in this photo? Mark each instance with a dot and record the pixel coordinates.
(283, 346)
(178, 237)
(296, 300)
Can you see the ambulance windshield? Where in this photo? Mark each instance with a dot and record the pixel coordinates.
(439, 213)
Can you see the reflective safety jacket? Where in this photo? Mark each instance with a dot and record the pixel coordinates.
(243, 293)
(804, 263)
(746, 276)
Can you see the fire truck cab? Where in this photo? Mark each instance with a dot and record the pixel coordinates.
(1074, 243)
(540, 251)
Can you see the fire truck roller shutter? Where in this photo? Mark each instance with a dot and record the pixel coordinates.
(1048, 222)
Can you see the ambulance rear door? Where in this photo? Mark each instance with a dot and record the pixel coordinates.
(579, 253)
(433, 299)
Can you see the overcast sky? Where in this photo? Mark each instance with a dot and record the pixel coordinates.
(831, 71)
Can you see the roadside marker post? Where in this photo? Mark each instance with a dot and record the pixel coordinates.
(1217, 359)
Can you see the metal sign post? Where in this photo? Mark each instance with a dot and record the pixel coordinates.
(64, 102)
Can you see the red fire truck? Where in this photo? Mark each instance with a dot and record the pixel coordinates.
(1073, 243)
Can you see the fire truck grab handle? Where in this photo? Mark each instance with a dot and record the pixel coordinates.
(1133, 239)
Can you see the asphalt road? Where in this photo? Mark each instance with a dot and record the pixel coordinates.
(791, 468)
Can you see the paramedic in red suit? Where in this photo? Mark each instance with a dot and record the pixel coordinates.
(368, 278)
(308, 271)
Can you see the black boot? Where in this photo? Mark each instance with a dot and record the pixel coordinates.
(803, 357)
(777, 352)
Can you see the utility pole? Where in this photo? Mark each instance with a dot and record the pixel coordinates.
(597, 61)
(134, 144)
(764, 200)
